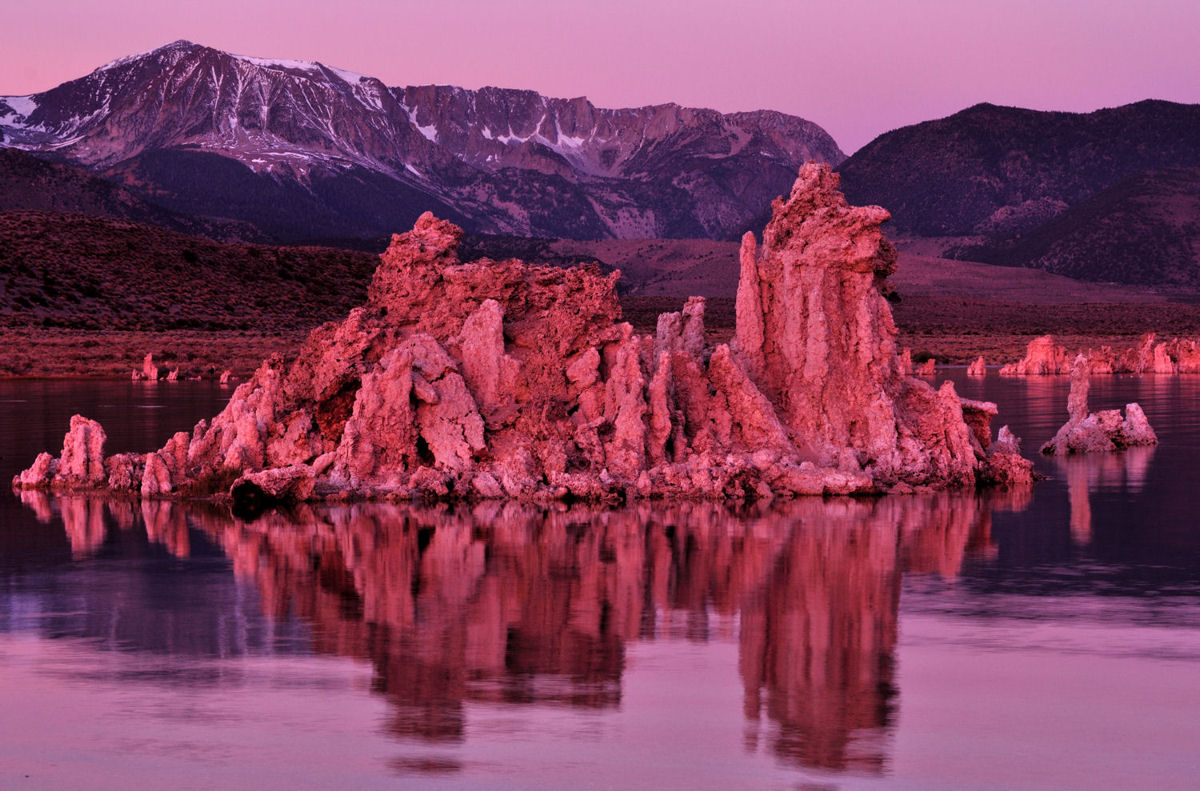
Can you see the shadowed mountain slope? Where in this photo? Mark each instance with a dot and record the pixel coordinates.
(1143, 229)
(1000, 170)
(29, 183)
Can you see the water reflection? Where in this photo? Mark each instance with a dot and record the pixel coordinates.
(507, 605)
(1091, 472)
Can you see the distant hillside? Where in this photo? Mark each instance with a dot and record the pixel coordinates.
(992, 170)
(1143, 229)
(29, 183)
(73, 271)
(69, 270)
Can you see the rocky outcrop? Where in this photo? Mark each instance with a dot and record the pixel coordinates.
(498, 379)
(977, 368)
(1090, 432)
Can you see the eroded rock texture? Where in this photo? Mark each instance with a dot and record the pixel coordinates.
(1092, 432)
(498, 379)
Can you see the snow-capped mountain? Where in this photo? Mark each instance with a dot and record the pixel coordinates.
(305, 150)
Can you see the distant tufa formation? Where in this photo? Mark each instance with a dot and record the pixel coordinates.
(503, 380)
(1044, 355)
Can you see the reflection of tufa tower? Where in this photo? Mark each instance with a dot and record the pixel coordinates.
(818, 639)
(817, 644)
(505, 604)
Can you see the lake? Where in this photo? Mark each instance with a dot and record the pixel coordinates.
(1042, 638)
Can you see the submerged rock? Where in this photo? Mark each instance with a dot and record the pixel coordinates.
(500, 379)
(1092, 432)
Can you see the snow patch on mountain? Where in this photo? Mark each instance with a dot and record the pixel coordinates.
(23, 106)
(311, 68)
(172, 53)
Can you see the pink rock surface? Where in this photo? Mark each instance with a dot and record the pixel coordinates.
(500, 379)
(1097, 432)
(977, 368)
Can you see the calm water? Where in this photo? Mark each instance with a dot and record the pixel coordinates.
(1041, 639)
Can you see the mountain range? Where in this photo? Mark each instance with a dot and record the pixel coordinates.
(244, 149)
(305, 151)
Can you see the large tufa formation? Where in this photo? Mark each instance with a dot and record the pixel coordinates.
(504, 380)
(1090, 432)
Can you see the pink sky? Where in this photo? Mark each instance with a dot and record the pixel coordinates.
(856, 67)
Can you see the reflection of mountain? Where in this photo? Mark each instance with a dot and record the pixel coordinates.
(502, 604)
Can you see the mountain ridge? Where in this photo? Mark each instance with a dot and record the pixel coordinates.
(1100, 196)
(990, 169)
(507, 161)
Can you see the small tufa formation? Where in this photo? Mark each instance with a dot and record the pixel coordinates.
(502, 380)
(1107, 430)
(927, 368)
(149, 371)
(977, 368)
